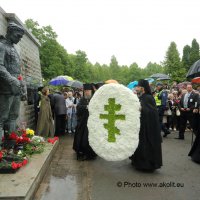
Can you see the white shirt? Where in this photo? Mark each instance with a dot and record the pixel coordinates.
(69, 102)
(186, 97)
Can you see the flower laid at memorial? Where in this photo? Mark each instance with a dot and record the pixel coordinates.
(11, 162)
(37, 138)
(114, 122)
(30, 132)
(52, 140)
(23, 144)
(34, 147)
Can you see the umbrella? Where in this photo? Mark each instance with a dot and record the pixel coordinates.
(132, 85)
(69, 78)
(160, 76)
(150, 80)
(75, 84)
(60, 80)
(163, 79)
(194, 70)
(196, 80)
(111, 81)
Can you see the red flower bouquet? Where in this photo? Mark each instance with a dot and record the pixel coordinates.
(10, 163)
(52, 140)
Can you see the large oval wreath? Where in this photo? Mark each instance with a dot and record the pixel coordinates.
(114, 122)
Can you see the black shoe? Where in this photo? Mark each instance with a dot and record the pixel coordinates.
(166, 133)
(179, 138)
(90, 157)
(80, 156)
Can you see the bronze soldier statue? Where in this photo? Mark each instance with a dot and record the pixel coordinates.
(9, 74)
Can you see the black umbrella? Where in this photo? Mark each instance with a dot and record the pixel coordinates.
(75, 84)
(160, 76)
(194, 70)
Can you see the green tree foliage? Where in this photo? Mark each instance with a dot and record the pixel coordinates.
(80, 66)
(41, 33)
(56, 61)
(152, 68)
(173, 65)
(53, 56)
(114, 68)
(100, 73)
(125, 75)
(194, 53)
(186, 57)
(135, 73)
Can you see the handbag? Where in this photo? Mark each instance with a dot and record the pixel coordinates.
(178, 112)
(168, 112)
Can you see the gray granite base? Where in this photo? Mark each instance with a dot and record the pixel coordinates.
(24, 183)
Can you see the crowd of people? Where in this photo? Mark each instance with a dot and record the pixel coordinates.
(56, 110)
(162, 109)
(58, 113)
(178, 108)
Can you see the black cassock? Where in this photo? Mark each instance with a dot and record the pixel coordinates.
(81, 143)
(148, 155)
(195, 150)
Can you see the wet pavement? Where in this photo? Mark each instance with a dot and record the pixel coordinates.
(69, 179)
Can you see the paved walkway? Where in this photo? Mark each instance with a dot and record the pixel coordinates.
(68, 179)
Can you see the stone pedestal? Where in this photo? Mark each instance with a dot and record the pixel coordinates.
(23, 184)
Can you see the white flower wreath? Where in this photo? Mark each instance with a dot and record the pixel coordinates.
(114, 108)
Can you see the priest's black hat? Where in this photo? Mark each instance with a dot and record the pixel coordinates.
(145, 84)
(87, 86)
(40, 88)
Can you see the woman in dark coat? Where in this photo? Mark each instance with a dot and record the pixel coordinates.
(81, 142)
(148, 155)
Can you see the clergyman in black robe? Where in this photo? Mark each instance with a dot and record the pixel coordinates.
(81, 142)
(195, 150)
(148, 155)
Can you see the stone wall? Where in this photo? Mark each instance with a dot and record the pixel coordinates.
(3, 23)
(28, 49)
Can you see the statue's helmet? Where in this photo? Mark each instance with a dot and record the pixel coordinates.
(12, 26)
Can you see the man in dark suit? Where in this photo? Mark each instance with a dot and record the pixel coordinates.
(59, 113)
(188, 103)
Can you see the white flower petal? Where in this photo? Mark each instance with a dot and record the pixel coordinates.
(127, 142)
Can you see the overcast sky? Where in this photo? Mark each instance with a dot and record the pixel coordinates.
(133, 30)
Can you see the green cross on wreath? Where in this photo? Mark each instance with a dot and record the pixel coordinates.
(112, 117)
